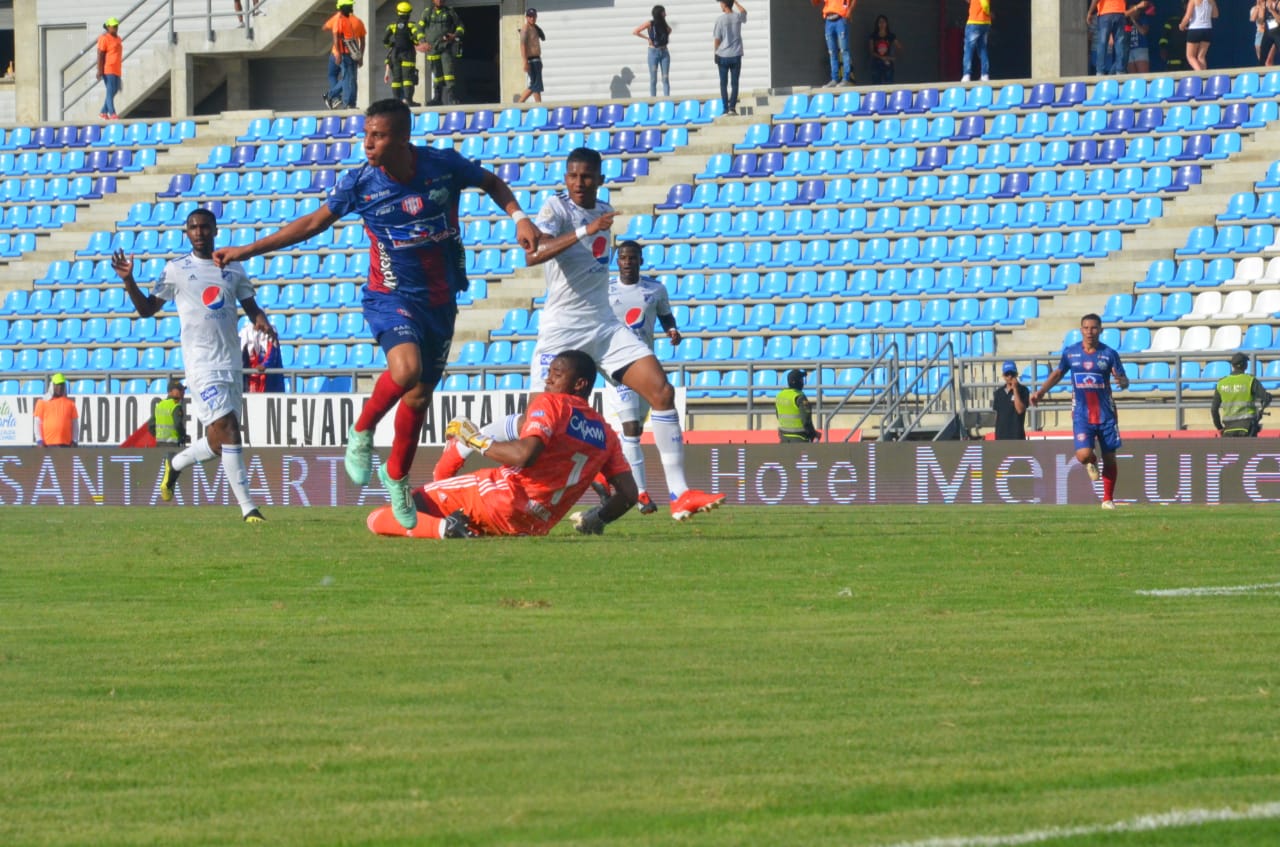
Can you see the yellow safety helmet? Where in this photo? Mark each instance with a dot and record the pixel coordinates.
(404, 8)
(112, 22)
(342, 3)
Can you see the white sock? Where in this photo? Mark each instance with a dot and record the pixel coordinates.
(501, 429)
(635, 457)
(233, 467)
(199, 451)
(669, 438)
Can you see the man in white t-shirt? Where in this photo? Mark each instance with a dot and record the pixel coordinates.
(637, 301)
(205, 296)
(575, 248)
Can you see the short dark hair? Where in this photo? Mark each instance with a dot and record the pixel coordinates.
(1091, 317)
(629, 244)
(203, 213)
(587, 156)
(582, 365)
(397, 111)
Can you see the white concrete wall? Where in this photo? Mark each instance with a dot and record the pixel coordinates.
(589, 48)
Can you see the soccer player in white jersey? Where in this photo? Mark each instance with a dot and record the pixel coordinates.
(637, 301)
(575, 247)
(205, 296)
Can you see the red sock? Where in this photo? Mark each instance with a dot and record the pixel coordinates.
(405, 444)
(1109, 480)
(386, 393)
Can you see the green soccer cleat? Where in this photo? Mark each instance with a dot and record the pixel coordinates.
(254, 516)
(401, 496)
(359, 457)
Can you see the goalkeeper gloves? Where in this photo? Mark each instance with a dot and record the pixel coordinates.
(588, 522)
(469, 434)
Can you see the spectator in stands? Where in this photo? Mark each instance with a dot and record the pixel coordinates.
(1010, 405)
(1197, 23)
(1257, 17)
(260, 353)
(884, 48)
(835, 29)
(56, 416)
(977, 29)
(1173, 43)
(168, 424)
(1138, 30)
(575, 249)
(561, 445)
(531, 38)
(657, 32)
(110, 66)
(795, 414)
(205, 294)
(1092, 366)
(402, 40)
(1238, 402)
(1269, 24)
(1111, 48)
(442, 33)
(408, 199)
(727, 36)
(345, 55)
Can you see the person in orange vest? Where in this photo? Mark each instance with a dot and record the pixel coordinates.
(345, 56)
(976, 30)
(835, 28)
(110, 64)
(56, 417)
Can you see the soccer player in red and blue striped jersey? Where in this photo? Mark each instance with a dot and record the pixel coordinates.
(407, 197)
(1092, 366)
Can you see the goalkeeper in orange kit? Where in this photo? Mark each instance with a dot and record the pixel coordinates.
(563, 443)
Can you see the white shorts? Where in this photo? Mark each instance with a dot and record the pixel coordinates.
(216, 396)
(626, 404)
(612, 347)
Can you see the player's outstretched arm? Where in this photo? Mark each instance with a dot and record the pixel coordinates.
(291, 233)
(1054, 379)
(527, 235)
(146, 304)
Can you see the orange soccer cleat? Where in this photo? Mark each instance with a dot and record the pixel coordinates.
(693, 501)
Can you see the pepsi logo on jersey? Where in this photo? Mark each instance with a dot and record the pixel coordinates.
(600, 248)
(213, 298)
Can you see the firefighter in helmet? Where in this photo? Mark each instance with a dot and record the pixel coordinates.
(401, 40)
(442, 33)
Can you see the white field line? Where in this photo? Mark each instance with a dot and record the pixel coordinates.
(1145, 823)
(1211, 591)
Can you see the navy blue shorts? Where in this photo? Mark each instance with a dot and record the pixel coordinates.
(1107, 434)
(396, 320)
(535, 75)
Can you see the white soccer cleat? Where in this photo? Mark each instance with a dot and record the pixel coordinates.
(1108, 504)
(1094, 473)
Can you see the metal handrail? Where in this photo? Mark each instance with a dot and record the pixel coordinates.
(932, 399)
(889, 394)
(141, 37)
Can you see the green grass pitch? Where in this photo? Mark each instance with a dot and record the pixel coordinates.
(785, 676)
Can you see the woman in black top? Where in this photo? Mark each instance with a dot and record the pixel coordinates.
(657, 32)
(883, 45)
